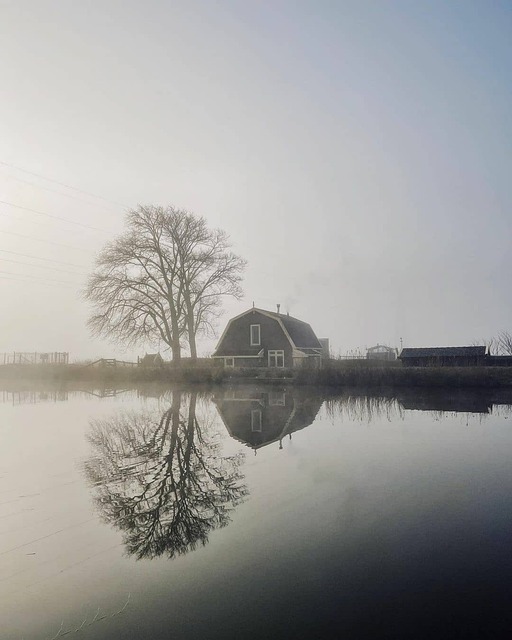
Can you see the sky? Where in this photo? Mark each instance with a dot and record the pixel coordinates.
(357, 153)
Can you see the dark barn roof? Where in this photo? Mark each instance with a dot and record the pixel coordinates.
(301, 336)
(300, 332)
(442, 352)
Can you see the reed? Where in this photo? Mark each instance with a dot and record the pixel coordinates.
(334, 373)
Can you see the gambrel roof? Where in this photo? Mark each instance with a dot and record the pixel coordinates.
(300, 334)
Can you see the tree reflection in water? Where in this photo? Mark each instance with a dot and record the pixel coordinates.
(163, 480)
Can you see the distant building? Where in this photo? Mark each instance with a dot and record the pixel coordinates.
(444, 356)
(259, 338)
(151, 360)
(381, 352)
(326, 349)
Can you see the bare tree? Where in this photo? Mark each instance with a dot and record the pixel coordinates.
(207, 271)
(499, 345)
(490, 343)
(504, 342)
(163, 480)
(163, 279)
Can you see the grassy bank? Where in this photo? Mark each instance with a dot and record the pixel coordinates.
(113, 376)
(396, 376)
(334, 374)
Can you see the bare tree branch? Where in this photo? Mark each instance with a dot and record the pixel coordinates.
(163, 280)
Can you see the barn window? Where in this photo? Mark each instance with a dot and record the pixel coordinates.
(256, 420)
(276, 358)
(229, 362)
(276, 399)
(255, 335)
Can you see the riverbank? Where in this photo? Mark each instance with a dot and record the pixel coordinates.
(335, 374)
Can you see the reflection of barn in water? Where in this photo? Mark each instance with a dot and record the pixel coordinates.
(258, 417)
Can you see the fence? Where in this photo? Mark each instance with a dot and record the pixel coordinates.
(32, 397)
(34, 357)
(110, 362)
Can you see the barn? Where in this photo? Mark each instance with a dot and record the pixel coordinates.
(444, 356)
(260, 338)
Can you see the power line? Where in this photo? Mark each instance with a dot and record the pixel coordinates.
(41, 266)
(38, 284)
(59, 193)
(59, 244)
(62, 184)
(49, 215)
(27, 255)
(23, 275)
(42, 223)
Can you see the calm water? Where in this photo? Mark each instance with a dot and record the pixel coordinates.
(254, 514)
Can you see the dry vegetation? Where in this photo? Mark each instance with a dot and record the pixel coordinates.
(363, 374)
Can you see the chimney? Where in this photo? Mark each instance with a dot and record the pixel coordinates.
(278, 307)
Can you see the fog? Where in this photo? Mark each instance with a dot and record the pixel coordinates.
(357, 153)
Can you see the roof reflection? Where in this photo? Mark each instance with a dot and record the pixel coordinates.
(258, 417)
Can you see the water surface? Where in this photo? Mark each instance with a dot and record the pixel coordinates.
(253, 513)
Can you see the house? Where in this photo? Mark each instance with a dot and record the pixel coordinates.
(259, 417)
(259, 338)
(381, 352)
(444, 357)
(151, 360)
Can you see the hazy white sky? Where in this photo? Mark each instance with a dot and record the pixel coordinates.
(358, 154)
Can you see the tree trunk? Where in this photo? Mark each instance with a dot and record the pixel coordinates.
(191, 330)
(176, 350)
(192, 341)
(175, 342)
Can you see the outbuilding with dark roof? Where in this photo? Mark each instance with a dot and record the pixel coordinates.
(151, 360)
(444, 356)
(260, 338)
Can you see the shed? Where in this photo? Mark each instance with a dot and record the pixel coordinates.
(151, 360)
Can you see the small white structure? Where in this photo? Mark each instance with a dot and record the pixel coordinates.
(381, 352)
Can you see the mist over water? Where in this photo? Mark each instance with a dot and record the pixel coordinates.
(191, 513)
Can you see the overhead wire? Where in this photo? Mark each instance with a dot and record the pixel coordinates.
(59, 193)
(41, 266)
(27, 255)
(47, 224)
(38, 284)
(60, 218)
(23, 275)
(62, 184)
(59, 244)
